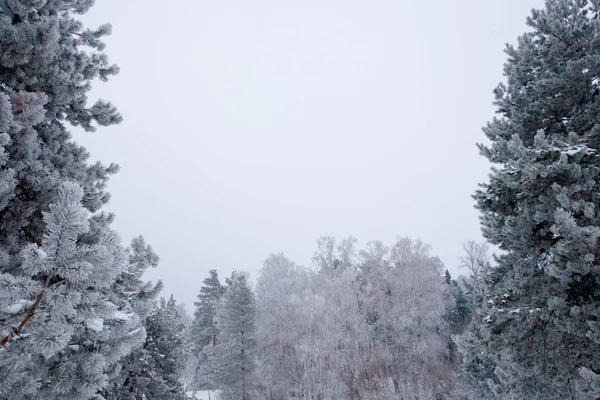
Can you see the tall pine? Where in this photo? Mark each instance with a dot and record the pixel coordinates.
(203, 333)
(64, 325)
(204, 329)
(47, 61)
(233, 360)
(540, 207)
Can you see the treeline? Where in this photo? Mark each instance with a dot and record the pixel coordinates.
(78, 321)
(368, 324)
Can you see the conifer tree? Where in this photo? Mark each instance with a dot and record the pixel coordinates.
(233, 360)
(540, 207)
(203, 332)
(65, 326)
(165, 346)
(62, 337)
(48, 61)
(154, 370)
(204, 328)
(476, 378)
(137, 301)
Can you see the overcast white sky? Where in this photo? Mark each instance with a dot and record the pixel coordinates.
(253, 127)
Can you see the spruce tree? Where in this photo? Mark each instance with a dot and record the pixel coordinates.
(233, 360)
(204, 328)
(203, 332)
(540, 207)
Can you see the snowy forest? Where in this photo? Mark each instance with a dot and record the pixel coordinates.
(78, 319)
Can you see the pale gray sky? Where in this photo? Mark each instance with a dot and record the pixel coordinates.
(254, 127)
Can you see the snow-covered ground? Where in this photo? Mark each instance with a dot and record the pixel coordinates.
(203, 395)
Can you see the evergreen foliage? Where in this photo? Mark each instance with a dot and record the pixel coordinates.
(77, 321)
(154, 370)
(233, 360)
(65, 320)
(48, 61)
(540, 207)
(137, 300)
(64, 336)
(204, 334)
(165, 344)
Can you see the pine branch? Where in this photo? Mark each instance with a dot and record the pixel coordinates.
(29, 315)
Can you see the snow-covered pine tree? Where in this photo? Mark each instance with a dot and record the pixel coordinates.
(233, 360)
(47, 62)
(137, 301)
(71, 340)
(540, 207)
(203, 333)
(139, 294)
(204, 326)
(154, 370)
(165, 349)
(63, 336)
